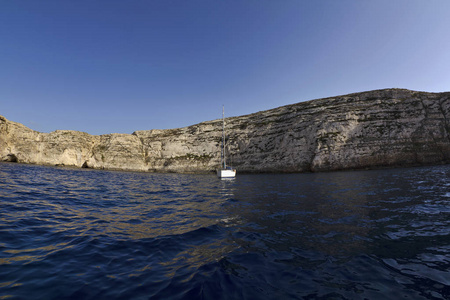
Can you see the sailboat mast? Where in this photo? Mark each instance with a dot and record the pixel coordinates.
(223, 172)
(223, 137)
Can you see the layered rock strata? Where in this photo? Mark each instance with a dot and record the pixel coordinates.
(391, 127)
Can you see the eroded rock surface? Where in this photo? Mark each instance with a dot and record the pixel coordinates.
(391, 127)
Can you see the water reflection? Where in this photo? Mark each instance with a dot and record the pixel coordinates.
(85, 206)
(165, 235)
(117, 205)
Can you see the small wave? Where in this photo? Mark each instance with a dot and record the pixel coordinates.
(102, 235)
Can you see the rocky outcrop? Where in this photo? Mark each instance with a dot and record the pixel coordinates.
(391, 127)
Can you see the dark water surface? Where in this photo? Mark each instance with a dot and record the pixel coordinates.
(85, 234)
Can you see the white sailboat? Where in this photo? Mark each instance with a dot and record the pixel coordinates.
(224, 171)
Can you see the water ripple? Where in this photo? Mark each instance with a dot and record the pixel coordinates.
(84, 234)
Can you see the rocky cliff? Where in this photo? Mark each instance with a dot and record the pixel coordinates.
(391, 127)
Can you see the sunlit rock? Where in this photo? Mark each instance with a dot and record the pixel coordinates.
(391, 127)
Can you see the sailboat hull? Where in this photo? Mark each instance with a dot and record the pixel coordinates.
(225, 173)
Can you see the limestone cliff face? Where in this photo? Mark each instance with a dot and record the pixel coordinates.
(392, 127)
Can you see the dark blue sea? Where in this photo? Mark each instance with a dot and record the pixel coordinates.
(90, 234)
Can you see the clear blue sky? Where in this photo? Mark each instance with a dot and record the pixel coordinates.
(120, 66)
